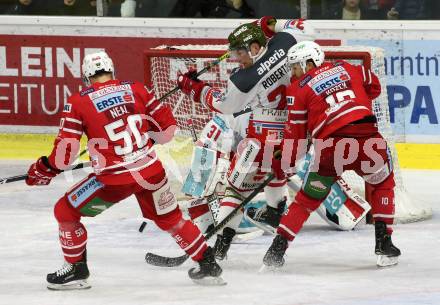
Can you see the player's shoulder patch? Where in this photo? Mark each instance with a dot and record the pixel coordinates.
(67, 108)
(86, 91)
(305, 80)
(338, 63)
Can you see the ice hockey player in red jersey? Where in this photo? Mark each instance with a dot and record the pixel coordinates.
(122, 121)
(332, 103)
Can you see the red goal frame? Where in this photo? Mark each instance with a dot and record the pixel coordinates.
(363, 56)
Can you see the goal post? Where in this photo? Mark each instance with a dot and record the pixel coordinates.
(162, 65)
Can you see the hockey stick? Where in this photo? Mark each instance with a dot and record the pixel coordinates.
(174, 90)
(162, 261)
(190, 122)
(194, 138)
(214, 198)
(23, 177)
(205, 69)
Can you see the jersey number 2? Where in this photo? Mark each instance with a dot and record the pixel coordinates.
(278, 94)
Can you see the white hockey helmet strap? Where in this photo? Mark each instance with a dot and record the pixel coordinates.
(94, 63)
(260, 53)
(304, 51)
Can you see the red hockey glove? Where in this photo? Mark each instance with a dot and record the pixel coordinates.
(264, 23)
(191, 85)
(41, 172)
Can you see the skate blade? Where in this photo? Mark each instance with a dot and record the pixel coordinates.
(386, 261)
(247, 236)
(268, 269)
(266, 228)
(210, 281)
(74, 285)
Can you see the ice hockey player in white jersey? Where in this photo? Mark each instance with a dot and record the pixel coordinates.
(257, 90)
(259, 86)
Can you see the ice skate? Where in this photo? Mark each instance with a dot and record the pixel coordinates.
(208, 273)
(223, 243)
(274, 257)
(387, 253)
(266, 218)
(70, 277)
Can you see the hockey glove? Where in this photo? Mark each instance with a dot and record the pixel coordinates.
(264, 23)
(191, 85)
(41, 172)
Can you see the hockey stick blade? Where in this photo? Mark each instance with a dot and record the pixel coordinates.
(163, 261)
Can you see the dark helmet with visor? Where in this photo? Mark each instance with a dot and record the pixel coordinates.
(243, 36)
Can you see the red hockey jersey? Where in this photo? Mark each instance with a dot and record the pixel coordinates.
(328, 98)
(122, 120)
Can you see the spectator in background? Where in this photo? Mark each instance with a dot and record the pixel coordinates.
(282, 9)
(409, 10)
(239, 6)
(351, 10)
(28, 7)
(211, 8)
(6, 6)
(128, 8)
(54, 7)
(79, 8)
(347, 10)
(378, 9)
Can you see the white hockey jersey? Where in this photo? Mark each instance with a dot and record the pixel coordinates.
(261, 84)
(253, 94)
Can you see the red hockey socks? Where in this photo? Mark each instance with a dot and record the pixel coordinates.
(297, 214)
(381, 197)
(73, 240)
(190, 239)
(72, 233)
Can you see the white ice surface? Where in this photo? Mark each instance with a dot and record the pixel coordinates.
(322, 267)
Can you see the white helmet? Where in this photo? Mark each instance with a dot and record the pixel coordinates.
(303, 51)
(94, 63)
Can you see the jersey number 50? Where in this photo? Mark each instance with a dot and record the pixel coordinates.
(131, 130)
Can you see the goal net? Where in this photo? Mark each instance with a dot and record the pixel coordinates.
(162, 65)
